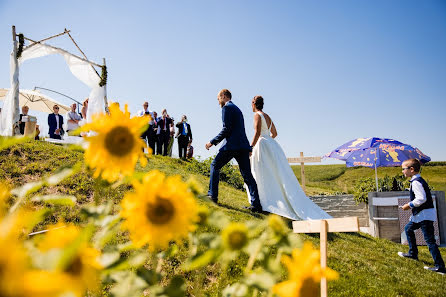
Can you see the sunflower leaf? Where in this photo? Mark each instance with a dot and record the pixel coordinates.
(150, 276)
(56, 199)
(200, 260)
(177, 287)
(262, 281)
(108, 259)
(128, 284)
(236, 289)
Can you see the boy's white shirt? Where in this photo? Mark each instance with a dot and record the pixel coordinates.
(420, 198)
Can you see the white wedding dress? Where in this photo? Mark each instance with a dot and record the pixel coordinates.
(279, 189)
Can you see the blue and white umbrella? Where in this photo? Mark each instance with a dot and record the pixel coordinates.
(376, 152)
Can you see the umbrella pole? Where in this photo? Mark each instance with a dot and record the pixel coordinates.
(376, 175)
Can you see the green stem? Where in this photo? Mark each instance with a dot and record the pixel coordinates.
(253, 257)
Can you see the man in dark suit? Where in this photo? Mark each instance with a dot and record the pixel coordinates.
(164, 125)
(236, 146)
(25, 110)
(55, 122)
(184, 136)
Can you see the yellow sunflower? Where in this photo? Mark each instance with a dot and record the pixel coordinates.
(304, 273)
(277, 224)
(77, 267)
(115, 146)
(4, 195)
(194, 186)
(203, 215)
(235, 236)
(17, 277)
(59, 236)
(82, 272)
(160, 210)
(79, 275)
(12, 268)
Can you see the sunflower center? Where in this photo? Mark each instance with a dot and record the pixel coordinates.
(75, 268)
(160, 212)
(237, 239)
(309, 288)
(119, 141)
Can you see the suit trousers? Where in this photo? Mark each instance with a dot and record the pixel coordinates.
(151, 138)
(242, 158)
(428, 231)
(183, 140)
(163, 139)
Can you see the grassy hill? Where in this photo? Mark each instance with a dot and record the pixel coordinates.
(367, 266)
(329, 179)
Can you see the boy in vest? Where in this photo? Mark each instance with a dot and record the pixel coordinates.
(423, 215)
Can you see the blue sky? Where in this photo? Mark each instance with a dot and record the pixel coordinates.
(329, 71)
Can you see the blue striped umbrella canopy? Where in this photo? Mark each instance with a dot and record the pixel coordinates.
(387, 152)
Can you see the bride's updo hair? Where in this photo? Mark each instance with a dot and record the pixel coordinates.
(258, 102)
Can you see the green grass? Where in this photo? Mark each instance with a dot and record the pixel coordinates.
(367, 266)
(329, 179)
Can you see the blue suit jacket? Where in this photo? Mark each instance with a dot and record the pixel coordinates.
(52, 123)
(233, 130)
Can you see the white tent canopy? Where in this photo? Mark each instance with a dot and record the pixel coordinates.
(81, 68)
(36, 101)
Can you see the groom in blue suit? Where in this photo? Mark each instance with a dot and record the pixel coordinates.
(236, 146)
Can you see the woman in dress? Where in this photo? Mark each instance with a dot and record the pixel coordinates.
(279, 189)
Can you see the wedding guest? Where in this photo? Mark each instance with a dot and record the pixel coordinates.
(156, 133)
(164, 125)
(150, 133)
(84, 109)
(190, 151)
(144, 110)
(423, 216)
(55, 123)
(73, 118)
(171, 137)
(25, 110)
(184, 137)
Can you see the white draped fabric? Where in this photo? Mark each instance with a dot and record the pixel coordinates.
(80, 69)
(10, 111)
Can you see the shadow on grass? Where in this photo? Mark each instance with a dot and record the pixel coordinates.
(254, 214)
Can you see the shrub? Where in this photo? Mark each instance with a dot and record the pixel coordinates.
(436, 163)
(386, 184)
(229, 173)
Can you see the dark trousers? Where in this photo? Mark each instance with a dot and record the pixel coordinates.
(151, 138)
(158, 144)
(427, 227)
(242, 158)
(144, 138)
(183, 140)
(163, 142)
(55, 136)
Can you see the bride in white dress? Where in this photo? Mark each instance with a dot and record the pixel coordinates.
(279, 189)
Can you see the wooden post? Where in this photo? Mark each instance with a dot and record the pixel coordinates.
(323, 244)
(348, 224)
(302, 160)
(105, 92)
(16, 110)
(302, 170)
